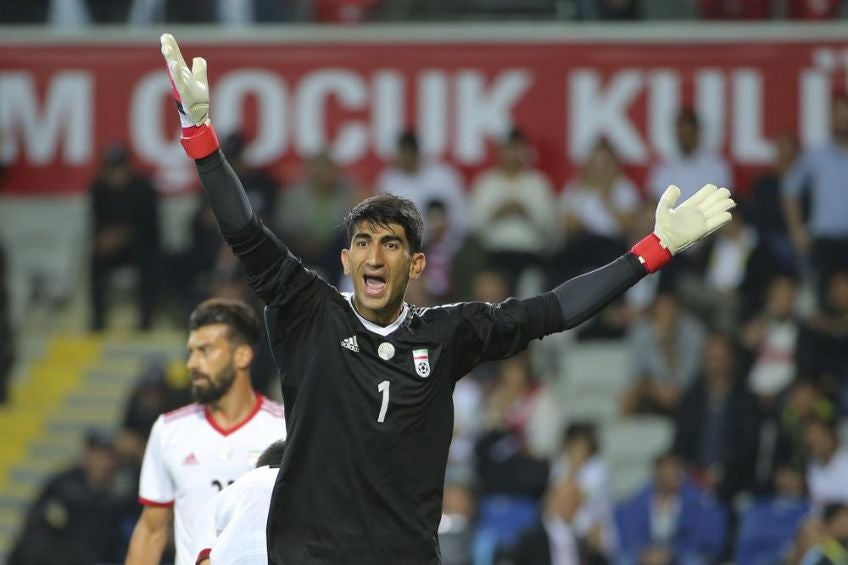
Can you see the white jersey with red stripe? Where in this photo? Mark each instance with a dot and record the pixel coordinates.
(189, 458)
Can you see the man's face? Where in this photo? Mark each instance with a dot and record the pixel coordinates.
(687, 136)
(380, 264)
(818, 440)
(212, 362)
(407, 159)
(668, 476)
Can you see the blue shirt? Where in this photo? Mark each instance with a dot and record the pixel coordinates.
(826, 171)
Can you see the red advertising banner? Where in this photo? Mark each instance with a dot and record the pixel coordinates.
(62, 104)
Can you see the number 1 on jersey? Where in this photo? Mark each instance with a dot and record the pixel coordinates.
(384, 388)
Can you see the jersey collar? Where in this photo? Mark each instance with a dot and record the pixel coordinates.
(371, 326)
(227, 431)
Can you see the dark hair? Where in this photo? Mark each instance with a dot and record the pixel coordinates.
(273, 454)
(237, 315)
(688, 115)
(384, 209)
(832, 510)
(515, 136)
(582, 430)
(408, 140)
(667, 456)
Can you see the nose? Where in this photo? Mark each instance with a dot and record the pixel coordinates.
(191, 362)
(375, 257)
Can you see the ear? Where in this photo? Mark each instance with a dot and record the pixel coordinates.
(346, 261)
(416, 267)
(243, 357)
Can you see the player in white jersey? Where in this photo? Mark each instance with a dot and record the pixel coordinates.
(231, 530)
(194, 452)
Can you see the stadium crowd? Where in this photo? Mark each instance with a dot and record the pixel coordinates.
(742, 344)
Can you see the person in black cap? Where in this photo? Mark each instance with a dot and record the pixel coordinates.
(126, 233)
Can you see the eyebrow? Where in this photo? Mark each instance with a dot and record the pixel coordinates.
(383, 239)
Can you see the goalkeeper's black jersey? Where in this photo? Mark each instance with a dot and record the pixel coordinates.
(369, 409)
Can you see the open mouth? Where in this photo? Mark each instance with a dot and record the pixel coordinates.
(374, 285)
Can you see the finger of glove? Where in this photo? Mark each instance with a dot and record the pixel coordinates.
(198, 70)
(717, 196)
(666, 203)
(699, 197)
(171, 50)
(717, 221)
(178, 76)
(719, 207)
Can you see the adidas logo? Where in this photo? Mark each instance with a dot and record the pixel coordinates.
(350, 343)
(190, 460)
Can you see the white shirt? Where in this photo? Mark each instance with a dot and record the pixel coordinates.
(231, 530)
(597, 508)
(531, 233)
(829, 483)
(432, 181)
(563, 544)
(595, 214)
(690, 173)
(189, 459)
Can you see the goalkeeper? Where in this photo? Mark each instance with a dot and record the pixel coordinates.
(367, 379)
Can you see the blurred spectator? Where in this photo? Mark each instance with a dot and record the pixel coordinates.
(154, 393)
(828, 463)
(76, 518)
(823, 341)
(553, 541)
(311, 212)
(7, 339)
(440, 251)
(809, 533)
(717, 423)
(24, 11)
(735, 9)
(422, 182)
(608, 9)
(814, 9)
(771, 337)
(665, 355)
(344, 11)
(598, 211)
(512, 209)
(126, 233)
(763, 210)
(726, 258)
(832, 548)
(227, 12)
(670, 520)
(581, 462)
(457, 525)
(768, 524)
(824, 236)
(692, 166)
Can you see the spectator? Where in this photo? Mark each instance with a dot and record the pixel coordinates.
(670, 520)
(310, 213)
(440, 252)
(735, 9)
(716, 428)
(824, 236)
(769, 522)
(693, 166)
(823, 341)
(581, 461)
(763, 210)
(832, 549)
(228, 12)
(76, 518)
(126, 233)
(814, 9)
(422, 182)
(512, 209)
(553, 540)
(665, 353)
(804, 401)
(598, 211)
(7, 339)
(828, 463)
(608, 9)
(809, 533)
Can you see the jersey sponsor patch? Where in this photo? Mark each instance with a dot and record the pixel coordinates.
(350, 343)
(421, 360)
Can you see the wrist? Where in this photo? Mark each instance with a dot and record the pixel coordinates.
(199, 141)
(651, 253)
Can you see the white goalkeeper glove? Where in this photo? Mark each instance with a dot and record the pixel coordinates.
(678, 228)
(191, 94)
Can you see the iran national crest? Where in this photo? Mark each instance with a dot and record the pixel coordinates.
(421, 361)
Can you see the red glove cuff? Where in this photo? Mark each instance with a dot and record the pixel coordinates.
(199, 141)
(651, 253)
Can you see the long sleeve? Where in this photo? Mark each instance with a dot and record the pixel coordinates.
(225, 192)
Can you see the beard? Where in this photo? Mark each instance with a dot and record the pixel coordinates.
(217, 388)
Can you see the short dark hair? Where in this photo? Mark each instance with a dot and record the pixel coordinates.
(384, 209)
(582, 430)
(832, 510)
(688, 115)
(408, 140)
(273, 454)
(237, 315)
